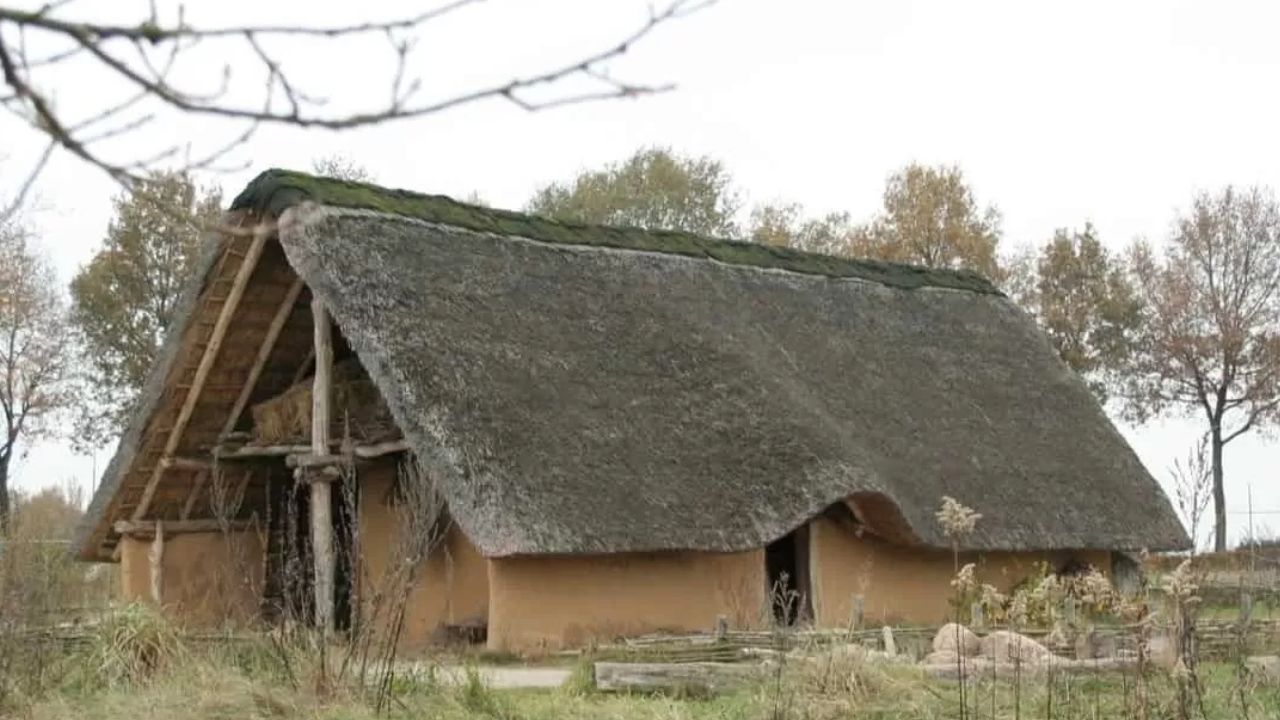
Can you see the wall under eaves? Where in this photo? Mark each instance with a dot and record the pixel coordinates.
(208, 579)
(451, 588)
(548, 602)
(909, 585)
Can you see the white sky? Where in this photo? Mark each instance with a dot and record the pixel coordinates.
(1110, 112)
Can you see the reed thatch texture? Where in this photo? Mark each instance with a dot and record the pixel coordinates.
(595, 390)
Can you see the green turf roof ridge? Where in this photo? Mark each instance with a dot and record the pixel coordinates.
(274, 191)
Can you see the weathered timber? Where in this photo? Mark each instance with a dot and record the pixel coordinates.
(301, 372)
(194, 495)
(359, 452)
(264, 352)
(207, 359)
(148, 528)
(156, 561)
(257, 452)
(695, 677)
(186, 463)
(321, 490)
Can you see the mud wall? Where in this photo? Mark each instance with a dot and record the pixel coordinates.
(450, 588)
(208, 579)
(543, 603)
(903, 585)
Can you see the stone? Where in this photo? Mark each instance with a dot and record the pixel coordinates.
(1005, 646)
(940, 657)
(958, 639)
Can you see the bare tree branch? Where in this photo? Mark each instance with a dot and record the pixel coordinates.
(283, 101)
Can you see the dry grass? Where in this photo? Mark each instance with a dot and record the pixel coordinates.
(220, 683)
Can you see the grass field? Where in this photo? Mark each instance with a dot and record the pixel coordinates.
(143, 674)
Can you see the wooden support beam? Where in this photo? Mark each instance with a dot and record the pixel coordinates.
(294, 454)
(359, 452)
(194, 495)
(150, 528)
(256, 452)
(187, 463)
(214, 344)
(264, 353)
(301, 372)
(156, 558)
(321, 488)
(368, 452)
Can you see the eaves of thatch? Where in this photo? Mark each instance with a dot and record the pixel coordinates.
(579, 389)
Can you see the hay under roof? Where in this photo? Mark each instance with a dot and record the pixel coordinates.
(580, 389)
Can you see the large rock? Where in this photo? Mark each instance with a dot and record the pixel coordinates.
(957, 639)
(1005, 646)
(940, 657)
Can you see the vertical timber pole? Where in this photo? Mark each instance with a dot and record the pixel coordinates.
(319, 478)
(155, 559)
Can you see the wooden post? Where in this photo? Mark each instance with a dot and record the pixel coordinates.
(321, 522)
(1246, 607)
(156, 558)
(890, 644)
(722, 628)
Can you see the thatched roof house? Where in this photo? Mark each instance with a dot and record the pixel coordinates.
(581, 391)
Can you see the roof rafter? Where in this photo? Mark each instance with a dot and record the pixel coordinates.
(229, 306)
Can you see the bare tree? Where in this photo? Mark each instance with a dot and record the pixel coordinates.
(33, 349)
(147, 53)
(1209, 340)
(1193, 487)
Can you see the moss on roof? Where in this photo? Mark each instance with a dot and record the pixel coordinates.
(276, 190)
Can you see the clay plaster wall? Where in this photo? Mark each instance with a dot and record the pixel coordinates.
(907, 585)
(208, 579)
(542, 603)
(451, 587)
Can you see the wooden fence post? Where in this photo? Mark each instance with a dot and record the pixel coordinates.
(856, 613)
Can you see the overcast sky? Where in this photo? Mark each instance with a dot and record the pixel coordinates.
(1115, 113)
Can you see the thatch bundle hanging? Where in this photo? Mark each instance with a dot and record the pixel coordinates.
(358, 408)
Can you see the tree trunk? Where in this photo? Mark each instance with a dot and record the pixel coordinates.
(1219, 494)
(4, 492)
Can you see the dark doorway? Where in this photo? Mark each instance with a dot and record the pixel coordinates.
(290, 572)
(786, 562)
(344, 505)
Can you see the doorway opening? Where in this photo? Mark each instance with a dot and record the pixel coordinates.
(786, 563)
(290, 570)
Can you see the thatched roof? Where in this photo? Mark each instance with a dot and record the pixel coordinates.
(581, 389)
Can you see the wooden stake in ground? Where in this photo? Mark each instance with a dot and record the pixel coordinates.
(156, 558)
(321, 522)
